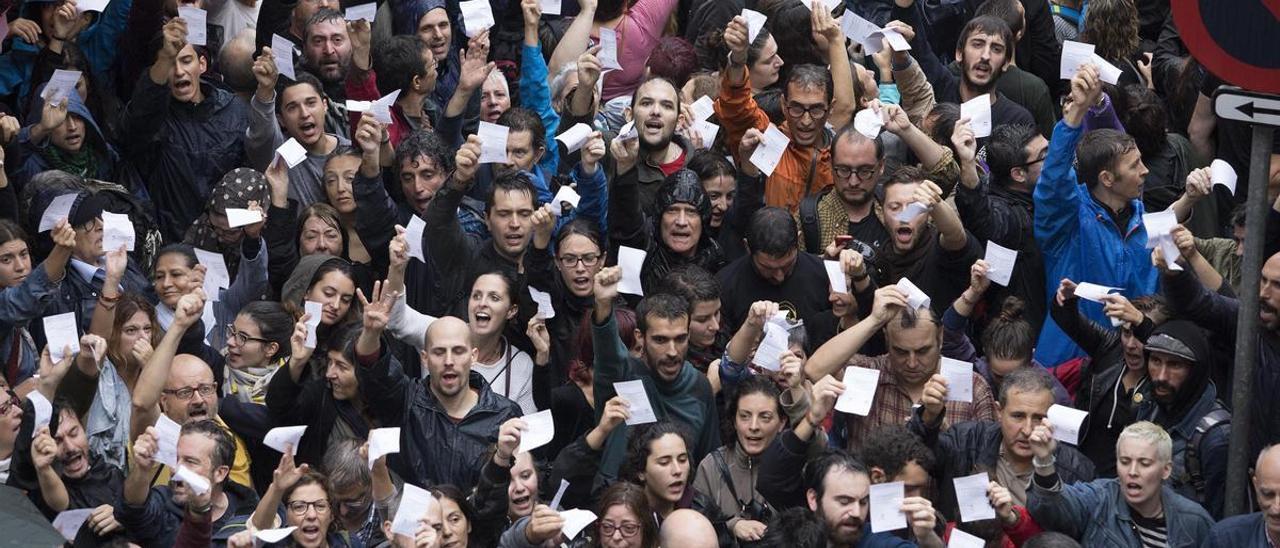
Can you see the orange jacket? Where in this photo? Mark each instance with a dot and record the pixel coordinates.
(738, 112)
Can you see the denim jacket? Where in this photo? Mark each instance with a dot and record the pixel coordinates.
(1096, 514)
(18, 306)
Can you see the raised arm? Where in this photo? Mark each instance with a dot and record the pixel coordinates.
(1056, 196)
(475, 70)
(830, 358)
(576, 39)
(146, 392)
(844, 100)
(104, 313)
(263, 136)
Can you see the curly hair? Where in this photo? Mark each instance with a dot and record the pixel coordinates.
(1112, 26)
(890, 449)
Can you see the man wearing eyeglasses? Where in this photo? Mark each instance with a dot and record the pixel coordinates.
(847, 216)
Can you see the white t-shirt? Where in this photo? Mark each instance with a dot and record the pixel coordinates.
(521, 372)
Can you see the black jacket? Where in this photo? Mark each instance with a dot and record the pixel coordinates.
(312, 401)
(434, 449)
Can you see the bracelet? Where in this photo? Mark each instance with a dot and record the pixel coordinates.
(1036, 462)
(201, 511)
(108, 300)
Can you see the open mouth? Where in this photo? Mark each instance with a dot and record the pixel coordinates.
(201, 412)
(483, 319)
(514, 240)
(676, 488)
(182, 86)
(522, 503)
(982, 70)
(1132, 489)
(903, 234)
(310, 531)
(73, 462)
(307, 130)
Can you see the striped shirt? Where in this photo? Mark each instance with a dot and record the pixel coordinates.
(1151, 531)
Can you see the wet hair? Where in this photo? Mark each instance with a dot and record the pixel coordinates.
(632, 497)
(986, 24)
(890, 448)
(1004, 10)
(691, 282)
(344, 466)
(581, 363)
(662, 306)
(397, 61)
(185, 250)
(772, 231)
(275, 323)
(323, 15)
(1025, 379)
(1112, 27)
(809, 76)
(1008, 336)
(1144, 117)
(708, 164)
(640, 441)
(523, 119)
(513, 181)
(673, 58)
(424, 143)
(304, 79)
(224, 448)
(1007, 149)
(1100, 150)
(815, 471)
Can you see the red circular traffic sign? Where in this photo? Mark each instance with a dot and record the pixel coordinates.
(1236, 41)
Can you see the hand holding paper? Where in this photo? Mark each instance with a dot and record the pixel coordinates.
(284, 438)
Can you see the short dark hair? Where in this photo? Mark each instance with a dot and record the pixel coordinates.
(986, 24)
(673, 58)
(224, 448)
(815, 471)
(806, 76)
(708, 164)
(323, 15)
(1025, 379)
(511, 181)
(1004, 10)
(1144, 117)
(1100, 150)
(639, 446)
(772, 231)
(663, 306)
(274, 321)
(753, 384)
(397, 61)
(691, 282)
(1007, 149)
(424, 143)
(904, 175)
(523, 119)
(794, 527)
(890, 448)
(303, 79)
(1008, 336)
(1238, 215)
(658, 78)
(185, 250)
(945, 116)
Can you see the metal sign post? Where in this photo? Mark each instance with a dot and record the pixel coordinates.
(1263, 111)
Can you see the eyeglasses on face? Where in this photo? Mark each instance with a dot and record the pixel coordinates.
(865, 173)
(589, 260)
(206, 390)
(241, 337)
(299, 507)
(628, 528)
(815, 112)
(9, 402)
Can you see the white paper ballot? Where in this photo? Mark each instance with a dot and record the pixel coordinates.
(1000, 262)
(493, 141)
(280, 436)
(971, 494)
(197, 483)
(978, 111)
(383, 441)
(117, 230)
(1093, 292)
(61, 84)
(237, 217)
(575, 137)
(1107, 72)
(859, 390)
(564, 486)
(550, 7)
(886, 507)
(609, 49)
(68, 523)
(772, 144)
(755, 22)
(913, 210)
(476, 17)
(702, 109)
(368, 12)
(707, 131)
(197, 24)
(91, 5)
(63, 338)
(316, 310)
(282, 50)
(959, 379)
(292, 152)
(1066, 422)
(565, 194)
(829, 4)
(860, 30)
(1221, 173)
(358, 106)
(546, 310)
(1160, 225)
(59, 208)
(628, 131)
(271, 536)
(776, 342)
(540, 430)
(575, 521)
(413, 237)
(414, 503)
(839, 283)
(167, 433)
(897, 42)
(1074, 54)
(961, 539)
(43, 409)
(216, 275)
(637, 400)
(381, 109)
(916, 298)
(868, 122)
(631, 260)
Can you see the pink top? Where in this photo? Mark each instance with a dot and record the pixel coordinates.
(639, 32)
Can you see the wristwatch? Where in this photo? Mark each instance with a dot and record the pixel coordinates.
(1036, 462)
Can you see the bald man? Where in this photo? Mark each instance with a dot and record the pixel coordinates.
(1259, 528)
(449, 420)
(687, 529)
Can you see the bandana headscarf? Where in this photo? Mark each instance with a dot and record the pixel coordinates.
(236, 189)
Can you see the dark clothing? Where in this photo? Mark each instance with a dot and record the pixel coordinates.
(79, 295)
(156, 522)
(574, 417)
(940, 273)
(803, 295)
(312, 401)
(1028, 91)
(437, 448)
(1249, 530)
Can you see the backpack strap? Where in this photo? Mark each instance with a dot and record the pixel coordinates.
(1218, 416)
(810, 223)
(718, 455)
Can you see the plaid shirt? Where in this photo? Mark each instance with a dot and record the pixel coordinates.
(892, 404)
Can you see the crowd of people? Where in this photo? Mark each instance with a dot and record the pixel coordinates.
(627, 273)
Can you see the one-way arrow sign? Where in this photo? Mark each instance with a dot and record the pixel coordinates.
(1234, 103)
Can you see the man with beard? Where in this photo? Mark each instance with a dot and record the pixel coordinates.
(838, 488)
(152, 515)
(984, 49)
(1135, 509)
(847, 216)
(338, 54)
(1259, 528)
(655, 151)
(999, 446)
(702, 291)
(184, 134)
(1185, 402)
(62, 474)
(676, 234)
(289, 20)
(676, 390)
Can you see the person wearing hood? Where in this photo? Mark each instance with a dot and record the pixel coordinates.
(330, 281)
(430, 21)
(66, 138)
(678, 234)
(58, 24)
(1185, 402)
